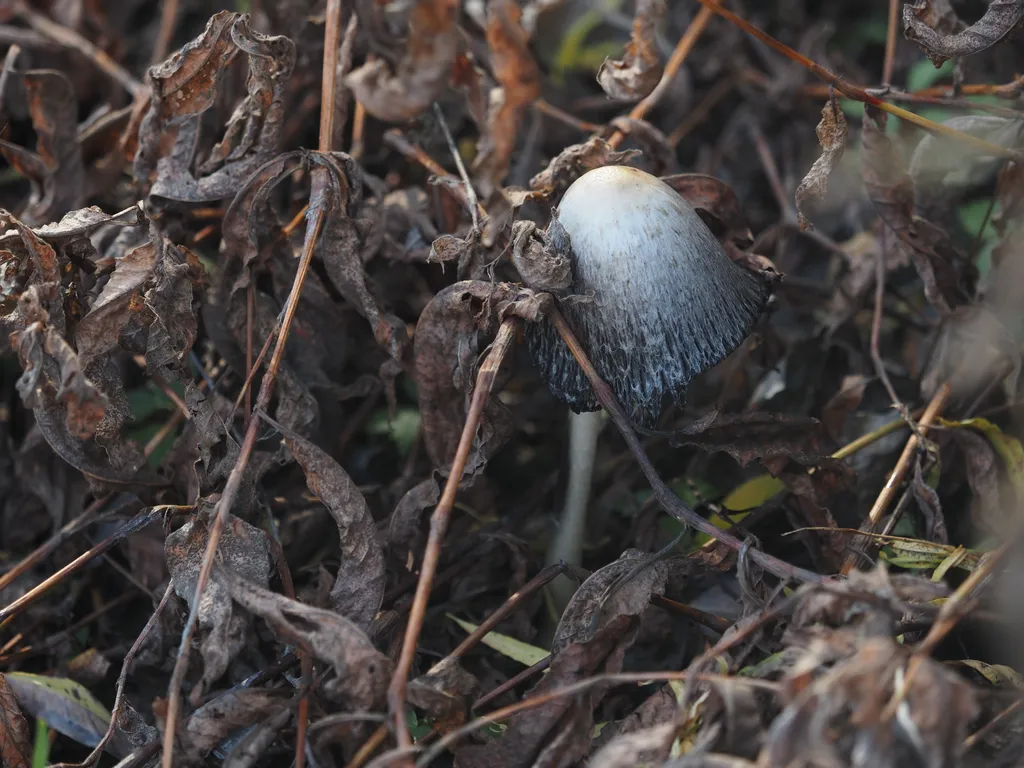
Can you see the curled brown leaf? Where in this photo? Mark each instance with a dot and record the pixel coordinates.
(831, 132)
(420, 75)
(359, 587)
(636, 74)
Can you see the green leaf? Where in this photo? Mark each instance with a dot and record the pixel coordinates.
(65, 705)
(517, 650)
(753, 493)
(404, 429)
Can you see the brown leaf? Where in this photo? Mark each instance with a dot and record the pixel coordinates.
(186, 86)
(716, 200)
(243, 549)
(99, 330)
(55, 168)
(641, 747)
(635, 75)
(519, 77)
(359, 587)
(892, 191)
(843, 403)
(362, 671)
(171, 318)
(844, 709)
(232, 711)
(340, 248)
(541, 267)
(998, 21)
(421, 74)
(992, 500)
(404, 527)
(930, 506)
(831, 133)
(575, 160)
(445, 693)
(15, 741)
(621, 588)
(446, 347)
(659, 157)
(758, 435)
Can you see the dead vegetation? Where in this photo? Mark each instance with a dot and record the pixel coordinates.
(276, 474)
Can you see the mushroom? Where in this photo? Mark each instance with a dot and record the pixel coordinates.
(658, 301)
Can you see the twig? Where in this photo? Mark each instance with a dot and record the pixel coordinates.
(695, 116)
(931, 413)
(314, 226)
(439, 525)
(364, 752)
(857, 93)
(546, 575)
(675, 61)
(137, 523)
(168, 23)
(394, 139)
(71, 39)
(470, 192)
(9, 61)
(561, 115)
(129, 659)
(876, 334)
(668, 500)
(890, 41)
(514, 681)
(358, 129)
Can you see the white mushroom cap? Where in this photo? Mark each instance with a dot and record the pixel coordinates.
(668, 301)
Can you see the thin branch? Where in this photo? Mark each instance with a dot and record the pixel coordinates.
(439, 525)
(931, 413)
(675, 61)
(668, 500)
(857, 93)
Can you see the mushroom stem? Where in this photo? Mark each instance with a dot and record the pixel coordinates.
(567, 545)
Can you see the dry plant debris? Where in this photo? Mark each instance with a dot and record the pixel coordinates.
(276, 474)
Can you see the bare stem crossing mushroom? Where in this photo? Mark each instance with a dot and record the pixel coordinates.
(663, 303)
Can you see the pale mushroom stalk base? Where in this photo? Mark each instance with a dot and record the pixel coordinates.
(567, 545)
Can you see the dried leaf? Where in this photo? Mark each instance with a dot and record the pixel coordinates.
(931, 507)
(340, 249)
(243, 549)
(186, 86)
(404, 528)
(716, 201)
(445, 693)
(639, 71)
(66, 706)
(445, 351)
(575, 160)
(759, 435)
(952, 166)
(519, 77)
(362, 671)
(55, 168)
(892, 191)
(621, 588)
(831, 133)
(843, 708)
(99, 330)
(237, 709)
(15, 740)
(359, 587)
(998, 21)
(421, 74)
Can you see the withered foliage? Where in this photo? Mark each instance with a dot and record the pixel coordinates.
(217, 328)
